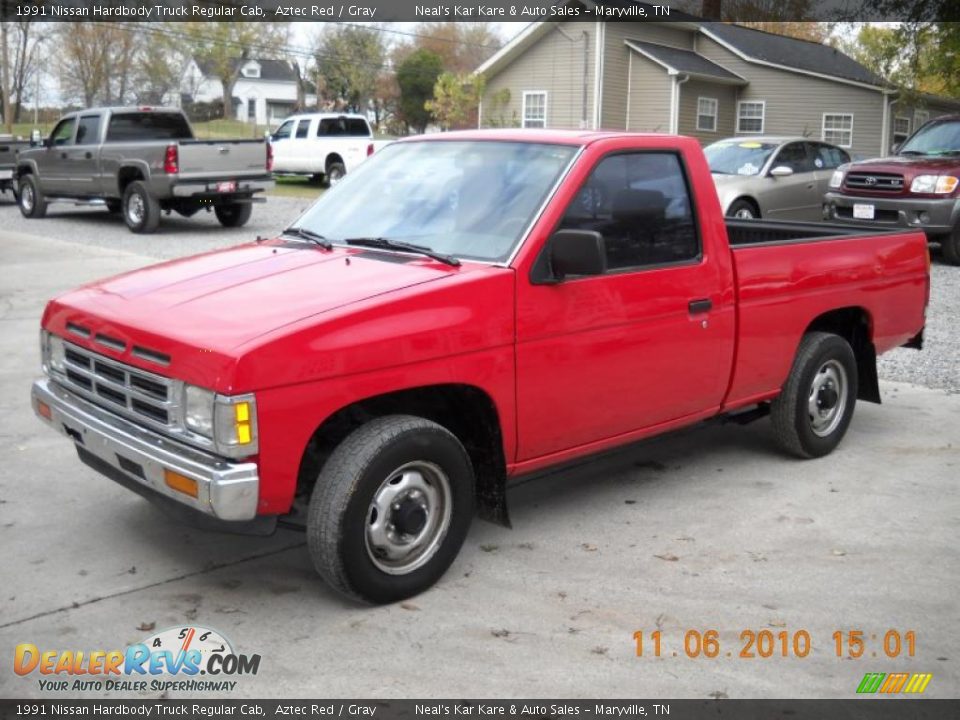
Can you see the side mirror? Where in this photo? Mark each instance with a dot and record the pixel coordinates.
(895, 149)
(35, 137)
(781, 171)
(576, 252)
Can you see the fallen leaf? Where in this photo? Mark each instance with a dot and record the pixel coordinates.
(668, 557)
(777, 623)
(229, 610)
(409, 606)
(489, 548)
(589, 547)
(502, 633)
(599, 650)
(146, 627)
(719, 695)
(839, 553)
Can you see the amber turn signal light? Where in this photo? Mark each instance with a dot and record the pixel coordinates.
(44, 410)
(180, 483)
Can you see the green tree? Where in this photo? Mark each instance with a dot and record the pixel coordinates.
(416, 76)
(349, 61)
(456, 99)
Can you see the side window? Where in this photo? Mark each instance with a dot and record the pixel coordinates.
(88, 131)
(357, 127)
(794, 156)
(330, 127)
(283, 132)
(63, 133)
(303, 128)
(827, 157)
(640, 204)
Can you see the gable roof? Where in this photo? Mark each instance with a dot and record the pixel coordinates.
(675, 61)
(276, 70)
(790, 53)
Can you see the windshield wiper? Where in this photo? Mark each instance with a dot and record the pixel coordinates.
(388, 244)
(315, 238)
(912, 152)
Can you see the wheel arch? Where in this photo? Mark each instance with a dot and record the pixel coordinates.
(855, 325)
(333, 158)
(465, 410)
(128, 174)
(748, 199)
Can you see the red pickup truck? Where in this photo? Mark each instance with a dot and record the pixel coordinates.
(463, 310)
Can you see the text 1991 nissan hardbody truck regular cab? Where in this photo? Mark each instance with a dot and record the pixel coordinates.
(463, 310)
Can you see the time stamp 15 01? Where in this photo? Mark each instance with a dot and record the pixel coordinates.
(773, 643)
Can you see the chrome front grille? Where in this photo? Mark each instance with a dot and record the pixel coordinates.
(137, 394)
(877, 182)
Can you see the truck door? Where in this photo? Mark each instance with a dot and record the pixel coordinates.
(282, 151)
(649, 341)
(82, 162)
(52, 164)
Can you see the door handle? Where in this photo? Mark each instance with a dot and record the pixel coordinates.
(700, 306)
(88, 156)
(63, 156)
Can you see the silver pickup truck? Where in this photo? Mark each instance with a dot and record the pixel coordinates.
(141, 162)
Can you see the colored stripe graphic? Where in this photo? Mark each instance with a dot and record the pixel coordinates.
(894, 683)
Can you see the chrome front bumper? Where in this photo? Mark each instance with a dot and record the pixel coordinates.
(225, 490)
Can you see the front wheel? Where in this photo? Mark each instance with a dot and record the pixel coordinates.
(390, 509)
(743, 210)
(815, 406)
(30, 200)
(234, 214)
(950, 246)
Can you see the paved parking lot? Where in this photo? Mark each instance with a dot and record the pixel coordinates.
(706, 529)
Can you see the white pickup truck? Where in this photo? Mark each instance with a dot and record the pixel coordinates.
(325, 146)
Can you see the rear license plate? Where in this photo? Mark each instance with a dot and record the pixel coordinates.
(863, 212)
(231, 186)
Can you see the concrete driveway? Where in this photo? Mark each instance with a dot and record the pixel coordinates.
(709, 529)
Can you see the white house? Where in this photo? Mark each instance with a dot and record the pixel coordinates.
(265, 91)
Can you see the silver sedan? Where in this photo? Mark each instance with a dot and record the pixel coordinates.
(781, 178)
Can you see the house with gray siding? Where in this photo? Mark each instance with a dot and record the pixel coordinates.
(704, 79)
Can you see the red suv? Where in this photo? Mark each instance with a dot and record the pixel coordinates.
(919, 187)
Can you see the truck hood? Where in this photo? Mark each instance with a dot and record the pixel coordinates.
(214, 303)
(909, 164)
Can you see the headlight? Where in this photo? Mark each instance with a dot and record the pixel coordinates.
(936, 184)
(198, 410)
(836, 180)
(231, 422)
(52, 352)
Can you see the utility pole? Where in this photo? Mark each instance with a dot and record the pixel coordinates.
(5, 51)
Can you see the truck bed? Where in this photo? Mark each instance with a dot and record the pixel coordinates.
(786, 275)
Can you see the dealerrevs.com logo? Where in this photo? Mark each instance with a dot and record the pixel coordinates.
(189, 659)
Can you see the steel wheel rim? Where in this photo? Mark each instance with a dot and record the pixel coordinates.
(135, 209)
(744, 214)
(827, 400)
(26, 197)
(418, 484)
(335, 177)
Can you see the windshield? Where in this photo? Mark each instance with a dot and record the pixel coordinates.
(936, 139)
(468, 199)
(738, 157)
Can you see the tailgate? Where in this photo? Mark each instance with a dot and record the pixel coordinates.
(201, 159)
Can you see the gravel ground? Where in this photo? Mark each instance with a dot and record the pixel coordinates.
(936, 366)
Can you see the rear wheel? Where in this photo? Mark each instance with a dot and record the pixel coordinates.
(950, 246)
(141, 211)
(335, 173)
(814, 408)
(234, 214)
(30, 200)
(390, 509)
(743, 210)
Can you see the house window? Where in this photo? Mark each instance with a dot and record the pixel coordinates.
(251, 71)
(838, 129)
(750, 116)
(707, 114)
(535, 109)
(901, 129)
(920, 117)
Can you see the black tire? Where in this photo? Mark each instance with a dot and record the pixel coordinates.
(114, 205)
(30, 200)
(141, 211)
(950, 247)
(234, 215)
(743, 209)
(335, 173)
(824, 375)
(341, 515)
